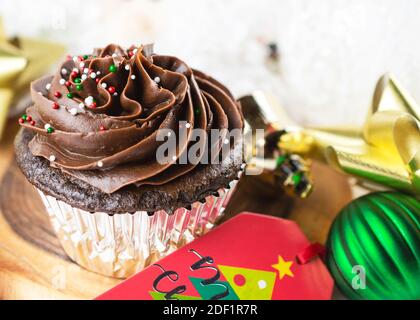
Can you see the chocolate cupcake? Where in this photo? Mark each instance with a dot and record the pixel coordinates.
(120, 145)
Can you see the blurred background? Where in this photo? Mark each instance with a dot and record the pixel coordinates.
(321, 58)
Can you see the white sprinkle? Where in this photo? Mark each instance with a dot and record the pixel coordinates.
(81, 105)
(76, 70)
(98, 72)
(169, 134)
(187, 125)
(62, 81)
(135, 51)
(86, 70)
(93, 75)
(226, 141)
(114, 55)
(73, 111)
(46, 126)
(48, 86)
(115, 93)
(64, 71)
(173, 157)
(84, 76)
(82, 64)
(88, 100)
(133, 76)
(103, 84)
(127, 67)
(156, 79)
(52, 158)
(100, 164)
(75, 58)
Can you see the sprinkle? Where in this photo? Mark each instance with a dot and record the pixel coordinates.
(84, 76)
(48, 86)
(92, 105)
(156, 79)
(67, 83)
(64, 71)
(74, 74)
(86, 70)
(103, 84)
(115, 94)
(73, 111)
(114, 55)
(93, 75)
(77, 80)
(102, 128)
(98, 72)
(169, 134)
(55, 105)
(57, 94)
(85, 57)
(187, 125)
(135, 51)
(50, 130)
(75, 58)
(127, 67)
(28, 118)
(79, 87)
(32, 122)
(82, 64)
(46, 126)
(133, 76)
(89, 100)
(226, 141)
(111, 89)
(21, 120)
(52, 158)
(75, 70)
(81, 105)
(112, 68)
(70, 95)
(173, 157)
(100, 164)
(62, 81)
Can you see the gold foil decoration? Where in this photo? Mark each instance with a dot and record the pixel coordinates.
(21, 61)
(385, 151)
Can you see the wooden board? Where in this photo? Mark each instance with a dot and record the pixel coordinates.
(34, 266)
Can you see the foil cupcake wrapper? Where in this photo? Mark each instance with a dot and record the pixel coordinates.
(122, 244)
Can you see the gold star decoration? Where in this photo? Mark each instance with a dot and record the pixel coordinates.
(21, 61)
(283, 267)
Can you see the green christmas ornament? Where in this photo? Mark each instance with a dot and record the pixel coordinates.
(374, 247)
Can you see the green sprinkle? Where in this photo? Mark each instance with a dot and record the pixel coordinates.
(50, 130)
(79, 87)
(85, 57)
(77, 80)
(24, 117)
(112, 68)
(70, 95)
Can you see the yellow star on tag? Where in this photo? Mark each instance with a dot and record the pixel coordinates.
(283, 267)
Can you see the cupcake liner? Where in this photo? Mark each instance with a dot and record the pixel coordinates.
(120, 245)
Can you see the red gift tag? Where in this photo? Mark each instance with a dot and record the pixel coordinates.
(251, 256)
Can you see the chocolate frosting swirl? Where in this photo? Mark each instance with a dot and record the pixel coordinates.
(97, 118)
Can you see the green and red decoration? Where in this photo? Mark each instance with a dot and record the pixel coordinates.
(226, 265)
(373, 249)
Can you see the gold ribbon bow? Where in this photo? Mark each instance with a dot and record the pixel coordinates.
(386, 150)
(21, 61)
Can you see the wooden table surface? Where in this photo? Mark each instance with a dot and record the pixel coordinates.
(34, 266)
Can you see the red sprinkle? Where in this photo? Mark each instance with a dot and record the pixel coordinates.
(93, 105)
(21, 120)
(74, 74)
(111, 89)
(29, 118)
(68, 83)
(32, 123)
(97, 80)
(102, 128)
(55, 105)
(130, 53)
(57, 94)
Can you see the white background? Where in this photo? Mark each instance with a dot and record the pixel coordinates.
(332, 52)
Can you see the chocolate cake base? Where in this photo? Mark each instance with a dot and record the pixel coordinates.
(194, 186)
